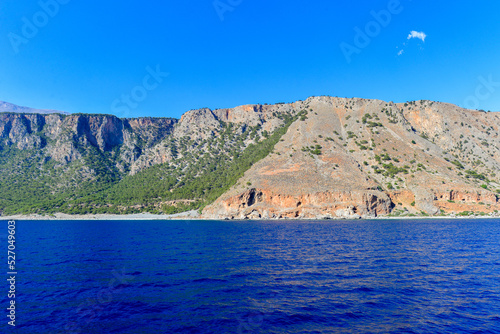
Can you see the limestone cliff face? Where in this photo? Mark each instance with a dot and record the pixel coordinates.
(363, 158)
(140, 143)
(62, 137)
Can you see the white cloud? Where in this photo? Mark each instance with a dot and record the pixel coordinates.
(417, 34)
(413, 34)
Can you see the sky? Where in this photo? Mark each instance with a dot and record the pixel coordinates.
(136, 58)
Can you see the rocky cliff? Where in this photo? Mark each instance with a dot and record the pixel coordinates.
(65, 137)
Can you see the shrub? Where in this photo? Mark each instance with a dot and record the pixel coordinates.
(475, 175)
(458, 164)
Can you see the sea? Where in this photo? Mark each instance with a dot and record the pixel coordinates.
(363, 276)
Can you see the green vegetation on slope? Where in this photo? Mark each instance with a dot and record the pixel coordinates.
(200, 173)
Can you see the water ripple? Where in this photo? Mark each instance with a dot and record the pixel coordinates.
(432, 276)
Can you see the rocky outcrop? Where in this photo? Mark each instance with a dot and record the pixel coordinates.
(199, 124)
(403, 198)
(464, 200)
(467, 196)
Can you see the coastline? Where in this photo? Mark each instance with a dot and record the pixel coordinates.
(189, 215)
(194, 215)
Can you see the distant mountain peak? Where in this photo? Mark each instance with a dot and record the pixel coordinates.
(10, 107)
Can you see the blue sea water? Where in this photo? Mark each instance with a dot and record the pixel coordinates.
(380, 276)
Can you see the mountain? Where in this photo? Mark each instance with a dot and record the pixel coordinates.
(355, 157)
(9, 107)
(103, 164)
(326, 157)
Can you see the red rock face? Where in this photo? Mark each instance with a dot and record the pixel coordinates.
(467, 197)
(461, 200)
(265, 204)
(405, 197)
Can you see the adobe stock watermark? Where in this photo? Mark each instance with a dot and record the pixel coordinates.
(223, 6)
(88, 310)
(484, 90)
(31, 26)
(121, 107)
(372, 29)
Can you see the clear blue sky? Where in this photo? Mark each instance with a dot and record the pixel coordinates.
(86, 55)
